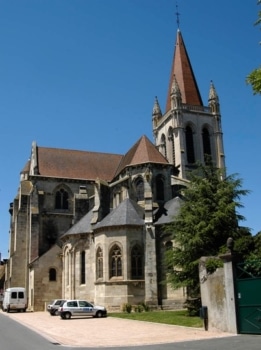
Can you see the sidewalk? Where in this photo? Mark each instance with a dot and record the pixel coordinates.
(106, 332)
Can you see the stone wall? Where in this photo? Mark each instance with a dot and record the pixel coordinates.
(217, 294)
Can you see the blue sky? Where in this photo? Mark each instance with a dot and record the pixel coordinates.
(83, 74)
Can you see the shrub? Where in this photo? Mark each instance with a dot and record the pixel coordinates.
(138, 308)
(145, 306)
(212, 264)
(127, 308)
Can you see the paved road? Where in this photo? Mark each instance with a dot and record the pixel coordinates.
(112, 332)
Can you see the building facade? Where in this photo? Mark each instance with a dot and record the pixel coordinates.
(90, 225)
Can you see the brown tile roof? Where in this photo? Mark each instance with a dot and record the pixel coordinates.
(63, 163)
(182, 69)
(142, 152)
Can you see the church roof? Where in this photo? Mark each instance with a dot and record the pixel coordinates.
(142, 152)
(127, 213)
(82, 226)
(64, 163)
(182, 70)
(169, 211)
(86, 165)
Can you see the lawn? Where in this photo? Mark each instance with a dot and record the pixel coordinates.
(179, 318)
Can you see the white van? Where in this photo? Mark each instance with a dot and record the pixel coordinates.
(15, 299)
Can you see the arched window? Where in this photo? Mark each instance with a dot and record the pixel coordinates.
(190, 145)
(160, 188)
(168, 247)
(139, 184)
(163, 147)
(52, 274)
(206, 143)
(61, 199)
(172, 145)
(115, 261)
(82, 277)
(67, 268)
(136, 262)
(99, 263)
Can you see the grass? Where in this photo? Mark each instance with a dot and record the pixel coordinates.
(179, 318)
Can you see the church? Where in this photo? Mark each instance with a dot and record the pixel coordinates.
(89, 225)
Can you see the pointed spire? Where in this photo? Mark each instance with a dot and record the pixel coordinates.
(182, 70)
(156, 108)
(212, 93)
(175, 90)
(176, 98)
(213, 100)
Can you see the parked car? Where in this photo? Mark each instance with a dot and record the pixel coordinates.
(81, 308)
(54, 305)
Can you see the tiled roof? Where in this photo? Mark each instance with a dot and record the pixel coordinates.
(142, 152)
(182, 69)
(63, 163)
(127, 213)
(26, 167)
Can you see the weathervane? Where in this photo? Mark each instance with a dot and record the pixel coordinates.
(177, 14)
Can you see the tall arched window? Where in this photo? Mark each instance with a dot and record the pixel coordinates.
(115, 261)
(163, 147)
(206, 143)
(52, 274)
(61, 199)
(190, 145)
(67, 268)
(139, 184)
(168, 247)
(136, 262)
(160, 188)
(99, 263)
(172, 145)
(82, 277)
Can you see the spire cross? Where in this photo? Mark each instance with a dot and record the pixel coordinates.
(177, 14)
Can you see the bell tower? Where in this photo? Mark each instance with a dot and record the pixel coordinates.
(188, 131)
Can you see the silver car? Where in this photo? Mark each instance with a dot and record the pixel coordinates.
(80, 308)
(54, 305)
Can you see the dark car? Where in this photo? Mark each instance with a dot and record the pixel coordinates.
(54, 305)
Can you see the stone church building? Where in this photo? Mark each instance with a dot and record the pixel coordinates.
(90, 225)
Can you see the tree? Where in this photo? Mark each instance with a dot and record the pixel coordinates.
(207, 218)
(254, 78)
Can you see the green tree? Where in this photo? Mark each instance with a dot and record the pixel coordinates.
(254, 78)
(207, 218)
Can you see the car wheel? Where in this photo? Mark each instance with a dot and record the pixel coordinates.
(98, 314)
(55, 313)
(67, 315)
(62, 316)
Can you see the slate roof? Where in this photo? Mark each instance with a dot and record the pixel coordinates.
(127, 213)
(142, 152)
(64, 163)
(170, 210)
(82, 226)
(182, 70)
